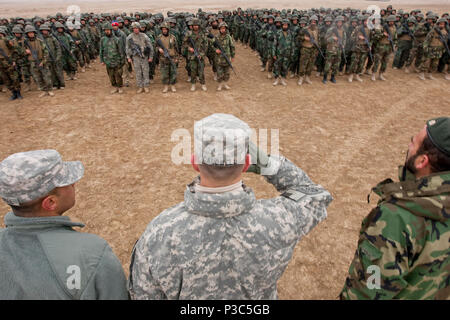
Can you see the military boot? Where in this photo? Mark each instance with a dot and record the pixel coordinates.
(373, 78)
(219, 88)
(283, 82)
(146, 90)
(4, 89)
(269, 75)
(368, 72)
(359, 78)
(140, 90)
(421, 76)
(172, 88)
(407, 70)
(189, 79)
(83, 69)
(204, 87)
(114, 90)
(13, 95)
(382, 78)
(51, 94)
(350, 78)
(43, 94)
(18, 95)
(447, 76)
(263, 69)
(166, 88)
(292, 75)
(226, 86)
(27, 87)
(120, 91)
(430, 76)
(300, 81)
(215, 76)
(193, 87)
(275, 83)
(308, 81)
(333, 79)
(325, 76)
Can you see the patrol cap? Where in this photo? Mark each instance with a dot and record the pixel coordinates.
(221, 139)
(438, 131)
(27, 176)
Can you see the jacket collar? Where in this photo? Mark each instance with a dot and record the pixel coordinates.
(11, 220)
(220, 205)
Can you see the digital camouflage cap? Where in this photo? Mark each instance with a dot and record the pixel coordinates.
(27, 176)
(221, 139)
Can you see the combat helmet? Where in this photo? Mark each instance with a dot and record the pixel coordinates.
(29, 28)
(441, 20)
(58, 25)
(328, 19)
(339, 18)
(223, 24)
(391, 18)
(411, 20)
(135, 25)
(278, 19)
(17, 29)
(44, 26)
(3, 30)
(195, 22)
(107, 26)
(313, 17)
(165, 24)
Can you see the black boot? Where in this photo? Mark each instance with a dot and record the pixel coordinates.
(333, 79)
(325, 75)
(18, 95)
(13, 96)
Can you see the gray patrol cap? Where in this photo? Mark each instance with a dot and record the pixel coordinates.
(27, 176)
(221, 139)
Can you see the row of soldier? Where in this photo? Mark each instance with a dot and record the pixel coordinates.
(332, 41)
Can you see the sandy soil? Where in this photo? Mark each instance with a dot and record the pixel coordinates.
(346, 136)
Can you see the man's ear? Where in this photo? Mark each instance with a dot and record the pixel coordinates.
(422, 161)
(50, 203)
(248, 162)
(194, 165)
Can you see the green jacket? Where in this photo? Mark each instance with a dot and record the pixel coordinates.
(407, 237)
(112, 52)
(45, 259)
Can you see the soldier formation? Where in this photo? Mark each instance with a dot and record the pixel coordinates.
(291, 42)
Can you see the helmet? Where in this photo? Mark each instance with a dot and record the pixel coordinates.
(119, 19)
(285, 21)
(135, 25)
(278, 19)
(164, 25)
(328, 19)
(313, 17)
(303, 20)
(3, 30)
(339, 18)
(29, 28)
(17, 29)
(195, 22)
(391, 18)
(143, 23)
(44, 27)
(411, 20)
(223, 24)
(420, 15)
(362, 17)
(442, 20)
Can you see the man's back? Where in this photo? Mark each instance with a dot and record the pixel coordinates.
(44, 258)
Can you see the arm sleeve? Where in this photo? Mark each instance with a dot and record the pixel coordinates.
(141, 284)
(110, 281)
(381, 259)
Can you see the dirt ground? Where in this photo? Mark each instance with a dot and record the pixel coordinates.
(347, 137)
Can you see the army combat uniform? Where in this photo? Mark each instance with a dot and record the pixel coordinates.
(336, 39)
(223, 69)
(112, 54)
(10, 52)
(308, 52)
(226, 244)
(433, 49)
(168, 69)
(140, 53)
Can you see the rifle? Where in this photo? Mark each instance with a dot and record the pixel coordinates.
(34, 54)
(63, 45)
(166, 52)
(48, 48)
(313, 41)
(136, 49)
(10, 60)
(386, 28)
(222, 52)
(408, 30)
(340, 44)
(441, 37)
(197, 55)
(367, 42)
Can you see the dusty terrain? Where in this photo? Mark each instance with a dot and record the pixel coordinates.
(347, 137)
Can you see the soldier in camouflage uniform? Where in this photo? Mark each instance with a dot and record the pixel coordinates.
(168, 69)
(360, 37)
(349, 45)
(140, 54)
(38, 57)
(405, 34)
(79, 48)
(222, 243)
(223, 69)
(320, 61)
(214, 30)
(23, 63)
(434, 48)
(416, 54)
(69, 60)
(336, 39)
(384, 38)
(112, 54)
(294, 60)
(269, 45)
(10, 54)
(55, 54)
(283, 51)
(196, 63)
(122, 34)
(403, 247)
(308, 52)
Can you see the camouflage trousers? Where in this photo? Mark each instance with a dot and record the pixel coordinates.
(197, 70)
(294, 60)
(9, 76)
(432, 57)
(381, 57)
(115, 75)
(223, 73)
(320, 61)
(141, 69)
(69, 65)
(269, 61)
(359, 58)
(281, 67)
(415, 55)
(307, 59)
(86, 56)
(126, 74)
(402, 54)
(79, 55)
(168, 73)
(56, 71)
(25, 71)
(332, 62)
(42, 76)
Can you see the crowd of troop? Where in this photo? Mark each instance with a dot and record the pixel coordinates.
(331, 41)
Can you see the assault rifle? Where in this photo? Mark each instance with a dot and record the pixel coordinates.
(313, 41)
(197, 55)
(388, 31)
(222, 52)
(166, 52)
(340, 44)
(34, 54)
(363, 31)
(443, 40)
